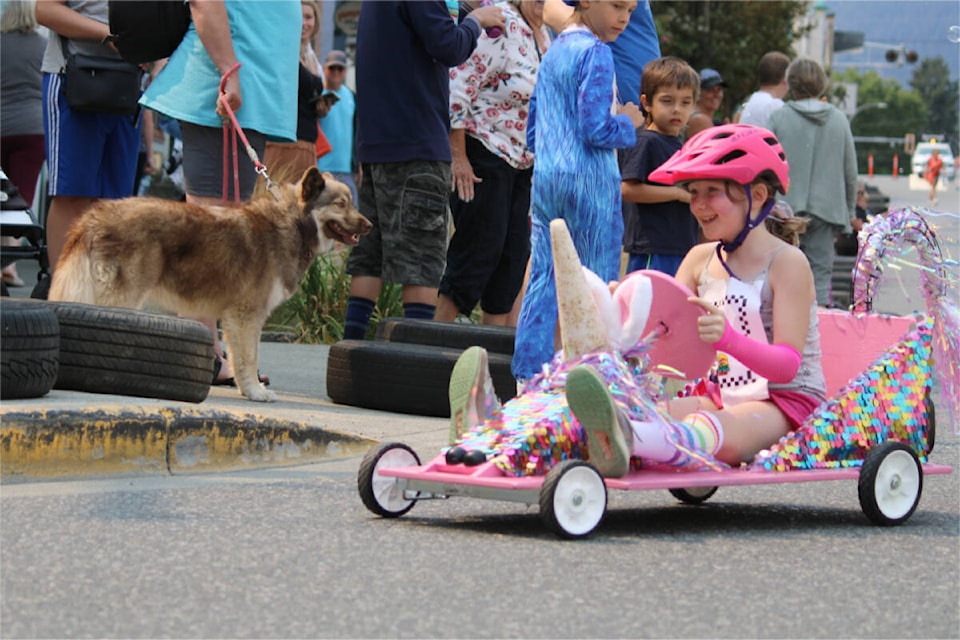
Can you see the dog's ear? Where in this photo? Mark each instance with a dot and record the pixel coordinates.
(311, 185)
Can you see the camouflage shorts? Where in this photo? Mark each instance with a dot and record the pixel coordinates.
(408, 204)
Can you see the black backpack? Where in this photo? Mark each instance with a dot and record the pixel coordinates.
(147, 30)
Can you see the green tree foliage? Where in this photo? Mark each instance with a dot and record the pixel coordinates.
(905, 113)
(728, 36)
(931, 80)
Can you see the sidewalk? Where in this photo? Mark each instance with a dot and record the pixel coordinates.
(68, 434)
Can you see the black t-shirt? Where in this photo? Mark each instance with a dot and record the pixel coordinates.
(665, 228)
(308, 93)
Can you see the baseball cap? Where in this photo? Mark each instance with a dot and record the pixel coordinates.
(571, 3)
(710, 78)
(336, 58)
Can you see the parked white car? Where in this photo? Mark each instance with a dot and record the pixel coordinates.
(922, 153)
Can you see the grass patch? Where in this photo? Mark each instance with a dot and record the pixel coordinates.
(315, 314)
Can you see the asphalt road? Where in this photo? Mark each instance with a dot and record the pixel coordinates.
(292, 553)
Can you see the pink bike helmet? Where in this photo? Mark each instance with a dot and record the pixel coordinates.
(737, 152)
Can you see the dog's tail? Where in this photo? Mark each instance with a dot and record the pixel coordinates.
(73, 277)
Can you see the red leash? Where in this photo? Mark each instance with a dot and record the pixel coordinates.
(232, 129)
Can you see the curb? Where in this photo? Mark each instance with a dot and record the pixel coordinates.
(63, 443)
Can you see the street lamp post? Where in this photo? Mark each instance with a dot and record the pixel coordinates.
(869, 105)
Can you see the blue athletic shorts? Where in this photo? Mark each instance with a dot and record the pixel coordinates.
(90, 155)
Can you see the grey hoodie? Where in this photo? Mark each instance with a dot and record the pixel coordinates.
(823, 161)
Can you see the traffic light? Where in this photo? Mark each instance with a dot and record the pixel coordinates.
(894, 56)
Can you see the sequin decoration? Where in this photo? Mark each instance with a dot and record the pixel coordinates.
(885, 402)
(535, 431)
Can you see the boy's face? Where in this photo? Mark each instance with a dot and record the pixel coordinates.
(607, 18)
(669, 109)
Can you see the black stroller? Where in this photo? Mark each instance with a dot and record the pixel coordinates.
(17, 220)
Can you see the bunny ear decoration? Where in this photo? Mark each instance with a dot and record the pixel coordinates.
(633, 298)
(581, 328)
(606, 307)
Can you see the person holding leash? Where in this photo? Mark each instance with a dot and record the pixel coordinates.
(263, 94)
(760, 312)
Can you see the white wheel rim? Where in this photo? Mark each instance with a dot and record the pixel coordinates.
(699, 492)
(386, 489)
(897, 484)
(579, 500)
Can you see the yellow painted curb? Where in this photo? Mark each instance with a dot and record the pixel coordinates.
(65, 443)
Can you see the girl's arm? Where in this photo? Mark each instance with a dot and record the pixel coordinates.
(791, 282)
(693, 263)
(596, 125)
(793, 295)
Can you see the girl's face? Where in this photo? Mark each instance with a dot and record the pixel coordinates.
(309, 22)
(720, 217)
(607, 18)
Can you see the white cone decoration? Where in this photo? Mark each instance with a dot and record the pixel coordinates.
(581, 328)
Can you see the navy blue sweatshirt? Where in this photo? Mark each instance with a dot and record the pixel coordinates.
(405, 49)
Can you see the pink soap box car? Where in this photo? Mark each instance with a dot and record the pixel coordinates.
(877, 426)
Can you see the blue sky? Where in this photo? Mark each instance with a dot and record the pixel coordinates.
(921, 25)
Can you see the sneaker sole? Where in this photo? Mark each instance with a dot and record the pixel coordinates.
(594, 409)
(462, 379)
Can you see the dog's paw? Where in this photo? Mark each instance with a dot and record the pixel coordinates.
(259, 394)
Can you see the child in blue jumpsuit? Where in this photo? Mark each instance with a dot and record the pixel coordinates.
(574, 130)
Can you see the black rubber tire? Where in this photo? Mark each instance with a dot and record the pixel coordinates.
(455, 335)
(693, 495)
(890, 483)
(573, 511)
(29, 349)
(402, 377)
(931, 422)
(133, 353)
(388, 505)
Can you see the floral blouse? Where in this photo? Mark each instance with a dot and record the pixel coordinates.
(490, 92)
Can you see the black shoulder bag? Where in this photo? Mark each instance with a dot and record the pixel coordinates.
(100, 85)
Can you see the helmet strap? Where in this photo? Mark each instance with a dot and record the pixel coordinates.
(748, 226)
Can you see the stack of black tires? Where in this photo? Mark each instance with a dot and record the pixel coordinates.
(406, 369)
(60, 345)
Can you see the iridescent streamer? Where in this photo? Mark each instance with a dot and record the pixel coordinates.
(886, 241)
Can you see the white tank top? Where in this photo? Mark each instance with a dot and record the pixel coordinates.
(748, 307)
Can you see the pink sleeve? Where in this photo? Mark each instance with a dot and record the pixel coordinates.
(776, 362)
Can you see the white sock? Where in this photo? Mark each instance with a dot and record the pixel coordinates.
(699, 431)
(649, 441)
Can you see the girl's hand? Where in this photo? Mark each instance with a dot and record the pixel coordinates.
(713, 324)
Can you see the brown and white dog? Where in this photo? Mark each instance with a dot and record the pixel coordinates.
(235, 264)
